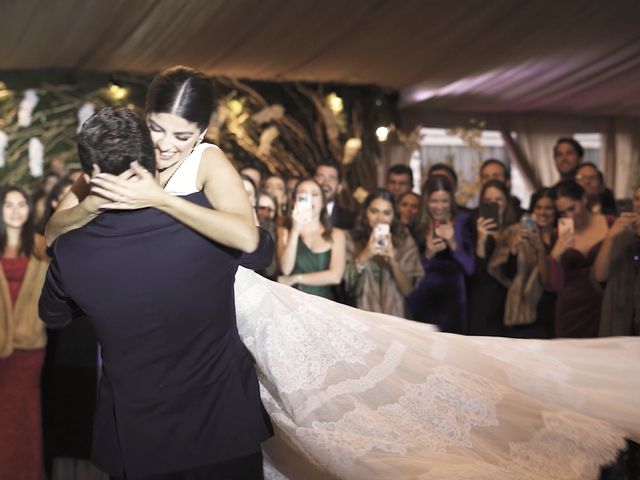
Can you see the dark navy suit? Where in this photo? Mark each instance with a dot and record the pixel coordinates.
(178, 387)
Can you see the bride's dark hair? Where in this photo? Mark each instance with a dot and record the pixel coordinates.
(182, 91)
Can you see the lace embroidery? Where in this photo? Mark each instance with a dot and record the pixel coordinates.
(430, 416)
(375, 375)
(585, 444)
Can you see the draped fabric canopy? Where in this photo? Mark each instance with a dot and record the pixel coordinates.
(501, 55)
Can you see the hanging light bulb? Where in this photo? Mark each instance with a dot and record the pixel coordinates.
(4, 91)
(382, 133)
(335, 102)
(117, 92)
(235, 106)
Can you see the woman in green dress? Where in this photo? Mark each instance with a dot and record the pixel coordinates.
(311, 253)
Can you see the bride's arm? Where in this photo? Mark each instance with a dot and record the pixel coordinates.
(230, 223)
(76, 209)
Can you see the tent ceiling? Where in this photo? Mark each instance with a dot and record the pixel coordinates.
(498, 55)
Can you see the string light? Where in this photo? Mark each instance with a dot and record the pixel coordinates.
(235, 106)
(4, 91)
(335, 102)
(117, 92)
(382, 133)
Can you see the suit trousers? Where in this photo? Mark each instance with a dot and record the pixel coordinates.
(248, 467)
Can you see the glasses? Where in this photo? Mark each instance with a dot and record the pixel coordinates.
(267, 209)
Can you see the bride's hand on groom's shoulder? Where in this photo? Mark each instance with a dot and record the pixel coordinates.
(132, 189)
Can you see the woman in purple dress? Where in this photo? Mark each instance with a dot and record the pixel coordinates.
(440, 298)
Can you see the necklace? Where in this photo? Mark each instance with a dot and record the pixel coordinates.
(164, 185)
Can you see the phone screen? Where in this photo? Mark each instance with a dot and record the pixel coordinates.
(381, 234)
(303, 207)
(565, 226)
(491, 210)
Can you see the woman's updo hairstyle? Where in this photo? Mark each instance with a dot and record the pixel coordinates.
(182, 91)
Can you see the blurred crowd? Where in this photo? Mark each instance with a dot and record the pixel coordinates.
(567, 267)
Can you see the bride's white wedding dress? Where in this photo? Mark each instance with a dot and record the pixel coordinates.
(361, 395)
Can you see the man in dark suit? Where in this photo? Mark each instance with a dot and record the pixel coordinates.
(329, 177)
(178, 397)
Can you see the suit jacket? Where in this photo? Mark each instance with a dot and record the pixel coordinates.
(178, 387)
(342, 218)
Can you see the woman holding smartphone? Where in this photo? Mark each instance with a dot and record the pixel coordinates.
(383, 262)
(580, 236)
(530, 305)
(310, 252)
(441, 296)
(487, 295)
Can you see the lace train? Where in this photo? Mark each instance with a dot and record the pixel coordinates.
(361, 395)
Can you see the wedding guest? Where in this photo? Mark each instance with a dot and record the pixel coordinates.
(328, 174)
(251, 189)
(23, 267)
(601, 199)
(486, 297)
(311, 253)
(266, 206)
(494, 169)
(291, 183)
(449, 172)
(618, 264)
(530, 307)
(52, 201)
(441, 297)
(70, 364)
(399, 180)
(408, 209)
(253, 172)
(567, 155)
(579, 298)
(382, 269)
(267, 223)
(275, 185)
(446, 170)
(47, 182)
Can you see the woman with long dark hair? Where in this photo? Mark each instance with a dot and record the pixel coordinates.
(572, 257)
(179, 104)
(22, 338)
(487, 295)
(310, 251)
(383, 262)
(441, 296)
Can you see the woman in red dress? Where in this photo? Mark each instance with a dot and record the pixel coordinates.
(580, 236)
(22, 339)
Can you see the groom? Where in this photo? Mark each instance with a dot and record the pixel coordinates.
(178, 397)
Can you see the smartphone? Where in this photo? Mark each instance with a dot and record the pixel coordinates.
(437, 223)
(381, 234)
(303, 207)
(565, 226)
(491, 210)
(528, 223)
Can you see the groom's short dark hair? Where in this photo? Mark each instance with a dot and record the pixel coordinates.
(113, 138)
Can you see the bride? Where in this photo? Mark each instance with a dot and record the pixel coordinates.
(361, 395)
